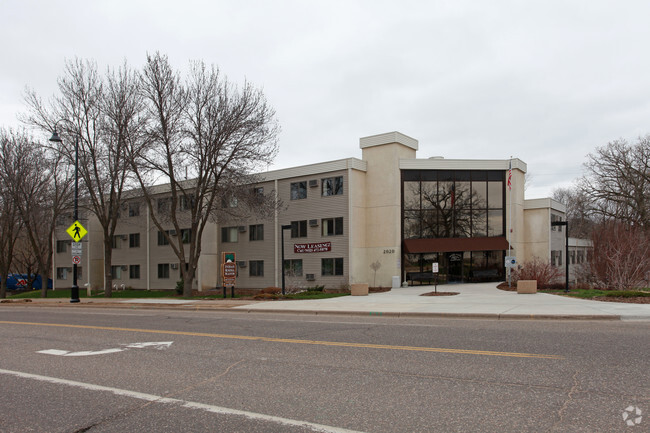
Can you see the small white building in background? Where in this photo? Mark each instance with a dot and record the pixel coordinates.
(352, 220)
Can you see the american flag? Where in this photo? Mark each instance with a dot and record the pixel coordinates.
(510, 175)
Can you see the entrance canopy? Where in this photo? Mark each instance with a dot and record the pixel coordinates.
(444, 245)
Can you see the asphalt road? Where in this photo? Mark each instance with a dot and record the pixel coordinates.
(77, 369)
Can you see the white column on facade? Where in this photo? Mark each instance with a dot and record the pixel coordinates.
(276, 224)
(148, 249)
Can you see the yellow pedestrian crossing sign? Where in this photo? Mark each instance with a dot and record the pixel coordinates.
(76, 231)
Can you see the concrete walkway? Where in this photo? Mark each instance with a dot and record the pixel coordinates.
(474, 300)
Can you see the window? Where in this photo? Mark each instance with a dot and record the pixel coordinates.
(556, 218)
(116, 242)
(187, 202)
(79, 272)
(229, 202)
(258, 191)
(61, 247)
(229, 234)
(186, 235)
(134, 209)
(62, 273)
(162, 240)
(332, 186)
(332, 266)
(134, 240)
(163, 270)
(299, 229)
(332, 226)
(256, 232)
(299, 190)
(293, 267)
(134, 272)
(256, 268)
(163, 205)
(116, 272)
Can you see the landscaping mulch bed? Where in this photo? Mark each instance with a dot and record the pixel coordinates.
(439, 294)
(627, 300)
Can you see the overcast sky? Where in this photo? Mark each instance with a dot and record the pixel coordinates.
(543, 81)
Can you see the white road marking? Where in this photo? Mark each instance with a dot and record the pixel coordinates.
(160, 345)
(182, 403)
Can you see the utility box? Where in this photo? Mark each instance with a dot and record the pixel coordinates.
(396, 282)
(359, 289)
(527, 286)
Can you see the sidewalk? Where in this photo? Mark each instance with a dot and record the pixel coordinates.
(481, 300)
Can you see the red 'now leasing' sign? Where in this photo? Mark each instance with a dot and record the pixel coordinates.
(312, 248)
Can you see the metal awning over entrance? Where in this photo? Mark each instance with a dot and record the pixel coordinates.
(444, 245)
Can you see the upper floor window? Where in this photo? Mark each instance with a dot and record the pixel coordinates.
(186, 235)
(163, 204)
(162, 239)
(134, 209)
(256, 232)
(62, 246)
(186, 202)
(256, 268)
(134, 240)
(229, 234)
(332, 186)
(298, 190)
(332, 226)
(299, 229)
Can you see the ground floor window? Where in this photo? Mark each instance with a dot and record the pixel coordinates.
(458, 266)
(293, 268)
(163, 270)
(256, 268)
(134, 272)
(332, 266)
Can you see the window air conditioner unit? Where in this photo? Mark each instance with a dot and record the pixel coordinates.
(172, 232)
(241, 264)
(125, 268)
(313, 223)
(242, 229)
(313, 183)
(174, 265)
(310, 277)
(124, 237)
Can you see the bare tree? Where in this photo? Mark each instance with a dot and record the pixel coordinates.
(578, 211)
(40, 187)
(218, 133)
(102, 115)
(617, 182)
(621, 255)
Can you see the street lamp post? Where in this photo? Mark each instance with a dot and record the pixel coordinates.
(74, 292)
(566, 249)
(282, 229)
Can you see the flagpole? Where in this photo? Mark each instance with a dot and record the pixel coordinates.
(510, 219)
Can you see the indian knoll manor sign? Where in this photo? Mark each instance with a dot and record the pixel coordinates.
(318, 247)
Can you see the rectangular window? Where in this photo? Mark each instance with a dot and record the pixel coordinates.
(116, 272)
(229, 202)
(229, 234)
(332, 226)
(186, 235)
(134, 209)
(258, 191)
(134, 240)
(61, 247)
(332, 266)
(299, 229)
(332, 186)
(134, 272)
(116, 242)
(256, 268)
(163, 205)
(61, 273)
(256, 232)
(298, 190)
(293, 267)
(162, 240)
(186, 202)
(163, 270)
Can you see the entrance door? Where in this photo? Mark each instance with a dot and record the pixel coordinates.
(455, 261)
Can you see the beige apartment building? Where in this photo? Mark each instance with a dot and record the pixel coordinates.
(386, 217)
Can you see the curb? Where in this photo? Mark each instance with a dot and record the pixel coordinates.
(241, 308)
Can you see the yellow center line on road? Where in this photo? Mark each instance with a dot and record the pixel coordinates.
(294, 341)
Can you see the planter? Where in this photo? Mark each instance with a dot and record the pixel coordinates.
(359, 289)
(527, 286)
